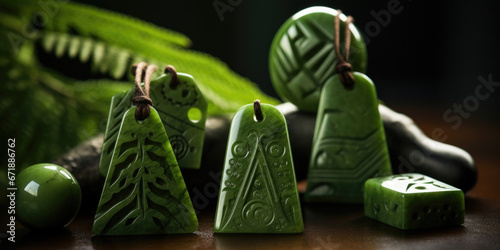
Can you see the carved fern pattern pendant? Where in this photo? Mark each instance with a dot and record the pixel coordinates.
(183, 111)
(120, 103)
(258, 189)
(349, 143)
(144, 192)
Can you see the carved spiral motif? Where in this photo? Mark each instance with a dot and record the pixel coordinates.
(258, 213)
(276, 149)
(240, 149)
(180, 146)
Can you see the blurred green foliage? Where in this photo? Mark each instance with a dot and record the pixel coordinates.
(60, 63)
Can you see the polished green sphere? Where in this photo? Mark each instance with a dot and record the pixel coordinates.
(302, 56)
(48, 196)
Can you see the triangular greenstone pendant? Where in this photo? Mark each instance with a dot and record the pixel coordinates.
(258, 191)
(183, 110)
(144, 192)
(120, 103)
(349, 143)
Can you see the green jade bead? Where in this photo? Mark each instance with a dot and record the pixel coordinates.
(47, 197)
(144, 192)
(413, 201)
(302, 56)
(349, 143)
(258, 192)
(183, 111)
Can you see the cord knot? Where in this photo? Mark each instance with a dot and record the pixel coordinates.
(344, 71)
(138, 100)
(143, 104)
(141, 98)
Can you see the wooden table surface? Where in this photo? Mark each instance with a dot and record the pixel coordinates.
(327, 226)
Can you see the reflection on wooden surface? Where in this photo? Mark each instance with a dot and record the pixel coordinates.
(327, 226)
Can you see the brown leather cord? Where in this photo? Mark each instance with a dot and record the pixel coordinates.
(133, 70)
(257, 111)
(141, 98)
(174, 82)
(343, 68)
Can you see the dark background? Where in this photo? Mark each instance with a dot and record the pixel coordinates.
(430, 54)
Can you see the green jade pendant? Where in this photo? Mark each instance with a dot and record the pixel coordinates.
(413, 201)
(183, 110)
(302, 56)
(258, 192)
(144, 192)
(349, 144)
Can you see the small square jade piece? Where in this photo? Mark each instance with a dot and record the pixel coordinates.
(412, 201)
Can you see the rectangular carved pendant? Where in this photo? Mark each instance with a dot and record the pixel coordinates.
(349, 143)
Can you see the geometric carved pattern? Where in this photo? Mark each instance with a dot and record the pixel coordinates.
(348, 159)
(302, 57)
(349, 143)
(343, 165)
(415, 183)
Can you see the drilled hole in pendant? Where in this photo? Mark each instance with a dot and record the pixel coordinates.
(258, 115)
(257, 120)
(142, 122)
(194, 115)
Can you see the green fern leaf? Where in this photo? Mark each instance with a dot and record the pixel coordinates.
(49, 111)
(120, 64)
(61, 45)
(85, 50)
(49, 42)
(74, 47)
(98, 53)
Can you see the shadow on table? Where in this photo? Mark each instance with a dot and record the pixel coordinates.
(144, 241)
(383, 230)
(474, 205)
(344, 220)
(61, 238)
(259, 241)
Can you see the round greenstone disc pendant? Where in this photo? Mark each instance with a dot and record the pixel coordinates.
(48, 196)
(302, 56)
